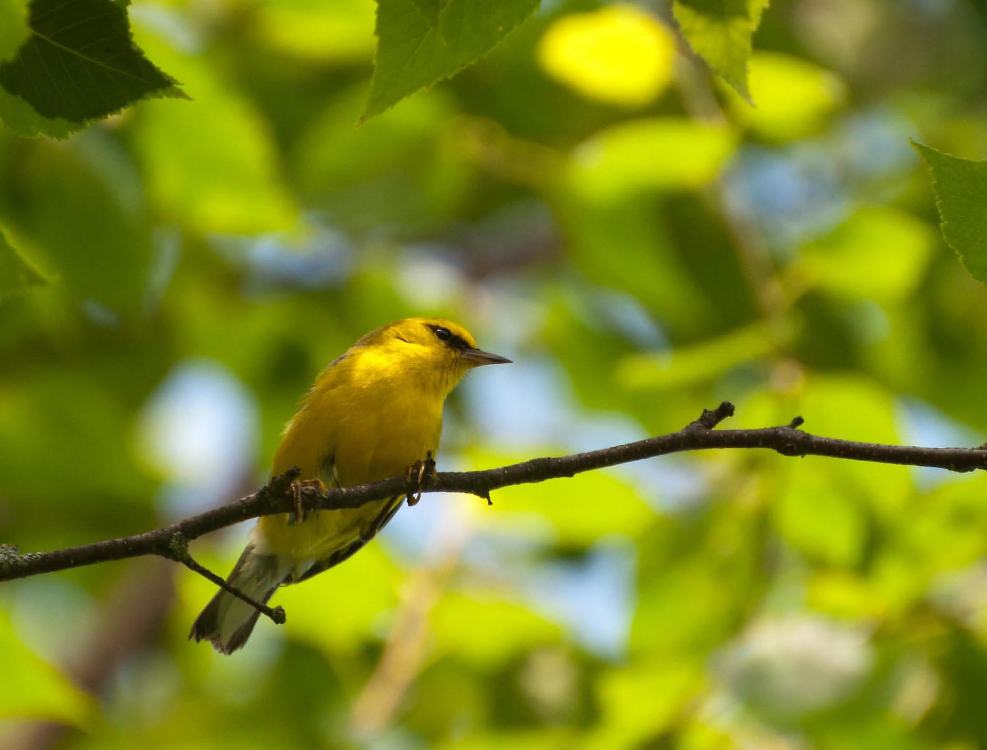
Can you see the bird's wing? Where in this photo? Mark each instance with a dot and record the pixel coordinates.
(349, 547)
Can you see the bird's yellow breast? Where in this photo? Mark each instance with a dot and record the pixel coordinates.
(365, 419)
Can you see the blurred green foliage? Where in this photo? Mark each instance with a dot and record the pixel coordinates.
(593, 200)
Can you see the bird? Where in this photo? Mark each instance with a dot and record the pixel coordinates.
(375, 412)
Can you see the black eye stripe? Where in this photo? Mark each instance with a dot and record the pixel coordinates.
(448, 338)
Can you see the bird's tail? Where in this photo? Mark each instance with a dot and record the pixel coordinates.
(227, 620)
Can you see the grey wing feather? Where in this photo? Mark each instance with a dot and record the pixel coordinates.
(347, 550)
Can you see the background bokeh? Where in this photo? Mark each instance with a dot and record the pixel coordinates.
(593, 203)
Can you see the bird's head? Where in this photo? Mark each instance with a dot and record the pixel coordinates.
(438, 350)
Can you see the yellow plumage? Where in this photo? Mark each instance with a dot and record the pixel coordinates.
(373, 413)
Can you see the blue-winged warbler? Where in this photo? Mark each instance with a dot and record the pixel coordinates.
(373, 413)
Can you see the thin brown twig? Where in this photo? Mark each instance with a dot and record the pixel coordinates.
(279, 497)
(178, 551)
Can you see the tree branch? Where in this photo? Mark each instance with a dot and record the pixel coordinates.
(281, 494)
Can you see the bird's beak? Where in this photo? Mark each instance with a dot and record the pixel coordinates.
(477, 357)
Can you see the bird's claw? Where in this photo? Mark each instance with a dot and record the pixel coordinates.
(422, 472)
(300, 514)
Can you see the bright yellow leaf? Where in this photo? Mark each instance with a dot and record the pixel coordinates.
(793, 96)
(618, 54)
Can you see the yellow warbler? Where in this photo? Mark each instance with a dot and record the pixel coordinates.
(373, 413)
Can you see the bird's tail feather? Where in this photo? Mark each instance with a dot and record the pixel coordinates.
(227, 620)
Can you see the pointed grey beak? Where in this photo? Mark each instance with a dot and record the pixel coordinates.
(479, 357)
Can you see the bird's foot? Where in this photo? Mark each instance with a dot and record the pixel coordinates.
(301, 514)
(422, 472)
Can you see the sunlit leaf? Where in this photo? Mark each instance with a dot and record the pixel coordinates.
(570, 512)
(340, 609)
(79, 62)
(688, 365)
(455, 627)
(17, 272)
(13, 27)
(532, 739)
(618, 54)
(878, 253)
(856, 409)
(413, 52)
(720, 31)
(210, 163)
(650, 154)
(338, 612)
(960, 186)
(607, 201)
(642, 700)
(821, 519)
(33, 689)
(792, 97)
(841, 593)
(340, 31)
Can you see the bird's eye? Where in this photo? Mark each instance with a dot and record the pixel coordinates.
(443, 334)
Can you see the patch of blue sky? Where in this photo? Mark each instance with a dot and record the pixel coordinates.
(801, 190)
(593, 597)
(200, 430)
(317, 256)
(922, 424)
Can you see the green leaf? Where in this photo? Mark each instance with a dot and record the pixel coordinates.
(650, 270)
(79, 62)
(309, 30)
(413, 52)
(570, 513)
(431, 9)
(654, 153)
(518, 629)
(794, 96)
(13, 27)
(32, 688)
(552, 738)
(80, 208)
(720, 32)
(15, 113)
(397, 170)
(368, 584)
(822, 519)
(608, 199)
(878, 253)
(17, 272)
(855, 408)
(960, 186)
(210, 164)
(18, 117)
(627, 719)
(77, 413)
(702, 362)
